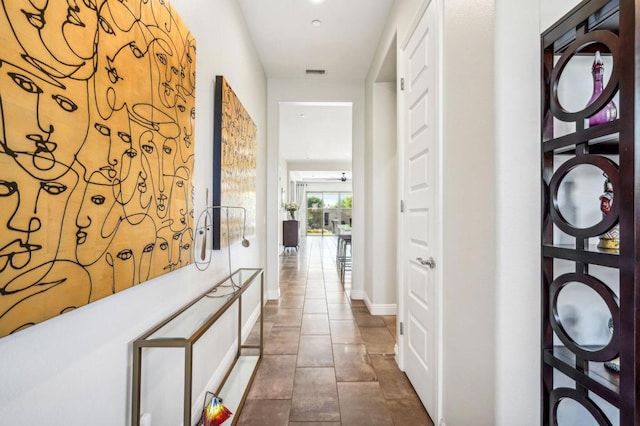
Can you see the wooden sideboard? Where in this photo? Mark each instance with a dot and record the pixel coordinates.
(290, 234)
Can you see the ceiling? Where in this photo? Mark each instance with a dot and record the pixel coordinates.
(343, 44)
(315, 131)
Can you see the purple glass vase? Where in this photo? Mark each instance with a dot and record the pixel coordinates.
(609, 112)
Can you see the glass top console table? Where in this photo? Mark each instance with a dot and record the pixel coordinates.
(186, 326)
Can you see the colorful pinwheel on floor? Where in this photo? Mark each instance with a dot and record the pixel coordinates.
(215, 413)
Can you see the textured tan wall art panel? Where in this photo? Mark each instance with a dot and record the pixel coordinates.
(97, 103)
(234, 180)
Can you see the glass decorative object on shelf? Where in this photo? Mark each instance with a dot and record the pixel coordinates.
(609, 112)
(214, 412)
(614, 364)
(610, 239)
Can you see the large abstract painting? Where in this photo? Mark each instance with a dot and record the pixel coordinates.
(234, 167)
(97, 109)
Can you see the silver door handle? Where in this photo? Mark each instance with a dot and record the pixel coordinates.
(429, 262)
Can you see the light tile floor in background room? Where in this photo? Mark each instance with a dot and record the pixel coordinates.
(327, 361)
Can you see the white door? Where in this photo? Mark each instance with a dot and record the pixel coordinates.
(420, 233)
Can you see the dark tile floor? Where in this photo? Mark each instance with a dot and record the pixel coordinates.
(327, 361)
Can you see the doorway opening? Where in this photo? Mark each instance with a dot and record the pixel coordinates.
(328, 213)
(315, 165)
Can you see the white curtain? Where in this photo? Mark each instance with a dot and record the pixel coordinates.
(300, 199)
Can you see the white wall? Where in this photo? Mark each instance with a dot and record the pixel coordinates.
(517, 121)
(315, 90)
(371, 195)
(382, 199)
(329, 187)
(469, 213)
(382, 203)
(552, 10)
(75, 369)
(283, 184)
(320, 165)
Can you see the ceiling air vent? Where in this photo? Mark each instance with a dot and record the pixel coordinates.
(316, 72)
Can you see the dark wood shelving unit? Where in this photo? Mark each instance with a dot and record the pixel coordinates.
(290, 229)
(603, 145)
(574, 373)
(591, 254)
(608, 382)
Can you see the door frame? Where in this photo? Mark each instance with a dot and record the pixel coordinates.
(402, 118)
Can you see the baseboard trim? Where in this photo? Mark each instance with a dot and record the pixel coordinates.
(380, 308)
(357, 294)
(273, 294)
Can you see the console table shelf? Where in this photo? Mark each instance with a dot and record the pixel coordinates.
(185, 327)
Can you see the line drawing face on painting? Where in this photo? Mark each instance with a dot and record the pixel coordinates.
(97, 112)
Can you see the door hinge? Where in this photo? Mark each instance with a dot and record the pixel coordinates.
(402, 84)
(401, 328)
(401, 206)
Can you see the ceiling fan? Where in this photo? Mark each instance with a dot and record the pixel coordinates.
(326, 177)
(343, 178)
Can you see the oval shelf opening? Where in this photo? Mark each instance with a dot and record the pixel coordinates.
(584, 316)
(579, 196)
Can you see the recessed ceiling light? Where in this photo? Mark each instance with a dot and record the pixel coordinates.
(316, 22)
(316, 1)
(301, 115)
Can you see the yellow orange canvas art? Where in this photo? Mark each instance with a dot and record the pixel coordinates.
(97, 103)
(234, 180)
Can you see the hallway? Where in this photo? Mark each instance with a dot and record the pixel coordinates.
(327, 361)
